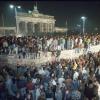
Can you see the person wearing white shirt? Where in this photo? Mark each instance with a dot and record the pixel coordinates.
(71, 43)
(37, 93)
(76, 40)
(85, 74)
(34, 80)
(60, 81)
(98, 69)
(98, 90)
(80, 43)
(76, 75)
(76, 45)
(63, 43)
(97, 73)
(55, 43)
(68, 43)
(53, 82)
(41, 71)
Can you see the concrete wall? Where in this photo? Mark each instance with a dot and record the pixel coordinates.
(70, 54)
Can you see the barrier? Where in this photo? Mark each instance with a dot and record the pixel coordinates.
(70, 54)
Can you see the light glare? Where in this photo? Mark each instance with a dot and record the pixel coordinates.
(83, 17)
(19, 7)
(29, 11)
(11, 6)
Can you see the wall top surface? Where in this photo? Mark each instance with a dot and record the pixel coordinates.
(35, 15)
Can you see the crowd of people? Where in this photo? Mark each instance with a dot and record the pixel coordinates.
(77, 79)
(28, 46)
(66, 79)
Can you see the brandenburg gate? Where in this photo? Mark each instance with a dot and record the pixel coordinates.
(34, 22)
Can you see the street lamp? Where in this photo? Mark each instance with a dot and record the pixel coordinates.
(15, 8)
(19, 7)
(83, 19)
(11, 6)
(29, 11)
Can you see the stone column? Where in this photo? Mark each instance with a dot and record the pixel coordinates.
(53, 27)
(26, 31)
(33, 25)
(49, 27)
(41, 27)
(21, 27)
(46, 27)
(17, 28)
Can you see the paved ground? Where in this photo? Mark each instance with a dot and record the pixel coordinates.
(64, 54)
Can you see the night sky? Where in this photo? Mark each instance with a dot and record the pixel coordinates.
(62, 10)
